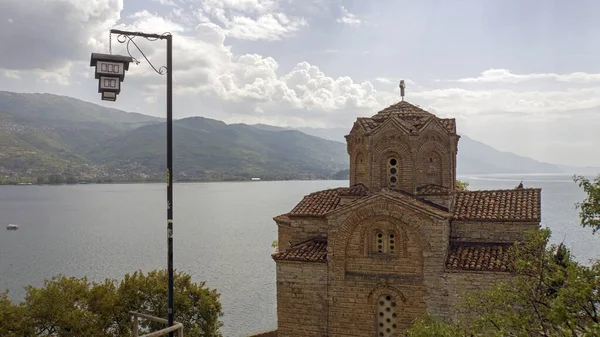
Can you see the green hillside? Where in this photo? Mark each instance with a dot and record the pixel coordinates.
(212, 150)
(44, 135)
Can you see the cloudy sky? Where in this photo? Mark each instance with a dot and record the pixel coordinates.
(522, 76)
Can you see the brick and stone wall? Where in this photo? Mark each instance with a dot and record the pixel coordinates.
(442, 200)
(354, 303)
(304, 228)
(284, 236)
(456, 285)
(493, 232)
(359, 277)
(301, 299)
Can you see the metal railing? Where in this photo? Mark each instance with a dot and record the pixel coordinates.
(136, 315)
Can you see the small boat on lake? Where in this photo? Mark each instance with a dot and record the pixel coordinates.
(12, 227)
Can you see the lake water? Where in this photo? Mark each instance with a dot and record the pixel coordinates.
(222, 233)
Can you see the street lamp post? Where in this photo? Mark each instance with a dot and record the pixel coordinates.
(110, 71)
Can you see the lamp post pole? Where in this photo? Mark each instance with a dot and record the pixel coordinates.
(169, 69)
(170, 176)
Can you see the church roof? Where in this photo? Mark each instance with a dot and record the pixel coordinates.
(479, 257)
(403, 109)
(313, 250)
(521, 204)
(318, 204)
(321, 202)
(412, 116)
(357, 190)
(516, 205)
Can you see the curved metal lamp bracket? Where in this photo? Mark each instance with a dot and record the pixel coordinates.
(128, 38)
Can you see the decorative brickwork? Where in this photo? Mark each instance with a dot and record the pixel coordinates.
(433, 189)
(369, 259)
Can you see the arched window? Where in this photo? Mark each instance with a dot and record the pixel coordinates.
(392, 166)
(387, 317)
(384, 242)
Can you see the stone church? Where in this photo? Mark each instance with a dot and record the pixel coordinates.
(400, 241)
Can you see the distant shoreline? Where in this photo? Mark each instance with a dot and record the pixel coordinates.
(175, 182)
(475, 176)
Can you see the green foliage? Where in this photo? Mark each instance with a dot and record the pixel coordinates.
(47, 135)
(429, 326)
(66, 307)
(462, 185)
(589, 209)
(550, 295)
(12, 318)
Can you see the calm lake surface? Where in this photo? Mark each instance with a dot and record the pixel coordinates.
(222, 233)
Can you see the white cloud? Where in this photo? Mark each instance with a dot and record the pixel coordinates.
(388, 80)
(383, 80)
(166, 2)
(12, 74)
(212, 75)
(251, 19)
(53, 31)
(245, 6)
(206, 68)
(523, 104)
(349, 18)
(506, 76)
(60, 76)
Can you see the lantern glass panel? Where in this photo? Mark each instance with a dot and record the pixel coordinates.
(109, 83)
(109, 68)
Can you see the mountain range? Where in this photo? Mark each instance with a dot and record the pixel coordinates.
(50, 138)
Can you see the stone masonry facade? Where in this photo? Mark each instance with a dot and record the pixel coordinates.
(400, 241)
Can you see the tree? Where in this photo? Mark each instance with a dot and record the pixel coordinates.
(589, 209)
(66, 307)
(12, 318)
(462, 185)
(550, 294)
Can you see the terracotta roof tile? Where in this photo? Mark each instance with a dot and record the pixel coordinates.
(449, 124)
(367, 123)
(432, 189)
(479, 257)
(321, 202)
(410, 115)
(398, 193)
(313, 250)
(357, 190)
(521, 204)
(402, 108)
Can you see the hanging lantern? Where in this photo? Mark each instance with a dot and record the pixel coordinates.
(110, 72)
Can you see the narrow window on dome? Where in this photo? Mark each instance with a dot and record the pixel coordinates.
(393, 172)
(391, 239)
